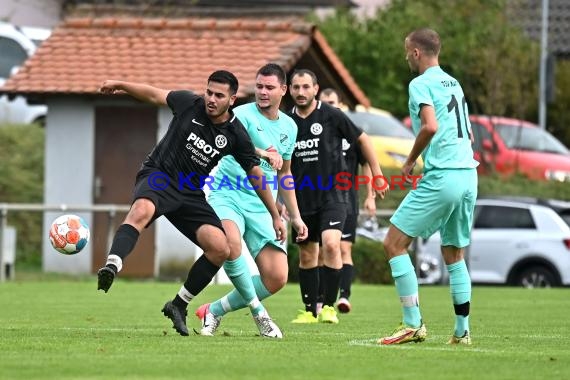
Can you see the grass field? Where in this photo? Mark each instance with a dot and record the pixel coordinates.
(64, 329)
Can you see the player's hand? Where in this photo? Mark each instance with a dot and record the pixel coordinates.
(111, 87)
(370, 206)
(407, 170)
(381, 186)
(280, 230)
(301, 228)
(274, 158)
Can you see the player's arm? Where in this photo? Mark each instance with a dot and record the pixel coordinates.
(370, 200)
(428, 129)
(140, 91)
(271, 156)
(255, 177)
(370, 156)
(287, 194)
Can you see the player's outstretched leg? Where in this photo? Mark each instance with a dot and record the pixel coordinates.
(177, 316)
(405, 334)
(267, 328)
(105, 277)
(123, 243)
(210, 322)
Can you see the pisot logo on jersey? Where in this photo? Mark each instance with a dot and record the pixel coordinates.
(221, 141)
(206, 148)
(307, 144)
(316, 129)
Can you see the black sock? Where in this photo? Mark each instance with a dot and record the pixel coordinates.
(346, 280)
(112, 267)
(321, 293)
(179, 302)
(200, 275)
(332, 280)
(309, 284)
(124, 241)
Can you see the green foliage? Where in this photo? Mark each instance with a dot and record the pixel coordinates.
(558, 115)
(21, 180)
(496, 64)
(370, 262)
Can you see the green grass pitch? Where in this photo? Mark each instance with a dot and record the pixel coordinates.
(64, 329)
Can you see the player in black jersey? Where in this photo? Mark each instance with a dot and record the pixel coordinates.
(353, 156)
(318, 166)
(202, 131)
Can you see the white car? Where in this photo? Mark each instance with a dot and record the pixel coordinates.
(515, 241)
(17, 45)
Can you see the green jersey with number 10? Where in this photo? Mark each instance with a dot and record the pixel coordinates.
(450, 147)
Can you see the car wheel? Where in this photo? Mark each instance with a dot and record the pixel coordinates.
(536, 277)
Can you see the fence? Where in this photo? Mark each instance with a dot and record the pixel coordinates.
(110, 209)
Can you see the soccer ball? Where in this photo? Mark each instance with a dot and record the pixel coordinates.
(69, 234)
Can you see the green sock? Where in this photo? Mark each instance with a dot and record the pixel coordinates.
(460, 288)
(407, 286)
(234, 301)
(238, 272)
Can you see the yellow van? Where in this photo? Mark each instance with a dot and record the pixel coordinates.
(391, 139)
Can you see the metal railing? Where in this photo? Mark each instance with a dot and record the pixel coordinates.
(110, 209)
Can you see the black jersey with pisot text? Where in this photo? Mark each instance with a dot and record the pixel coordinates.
(318, 156)
(354, 158)
(193, 145)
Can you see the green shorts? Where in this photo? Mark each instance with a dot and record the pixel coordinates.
(254, 223)
(444, 201)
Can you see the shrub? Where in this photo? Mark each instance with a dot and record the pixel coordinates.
(21, 180)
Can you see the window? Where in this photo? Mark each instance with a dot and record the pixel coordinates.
(504, 217)
(480, 134)
(530, 138)
(12, 55)
(565, 216)
(380, 125)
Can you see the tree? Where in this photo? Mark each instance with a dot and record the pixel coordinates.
(496, 64)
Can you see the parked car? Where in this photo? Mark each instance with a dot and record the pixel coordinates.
(509, 146)
(391, 139)
(517, 146)
(17, 45)
(515, 241)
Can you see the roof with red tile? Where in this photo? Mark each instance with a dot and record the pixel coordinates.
(167, 53)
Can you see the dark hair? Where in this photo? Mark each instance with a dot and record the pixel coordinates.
(426, 40)
(225, 77)
(329, 91)
(302, 72)
(273, 69)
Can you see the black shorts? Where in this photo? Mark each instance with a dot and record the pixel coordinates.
(186, 209)
(330, 217)
(349, 230)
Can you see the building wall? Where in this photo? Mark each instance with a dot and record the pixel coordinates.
(70, 144)
(38, 13)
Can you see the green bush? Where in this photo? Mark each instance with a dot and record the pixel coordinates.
(22, 180)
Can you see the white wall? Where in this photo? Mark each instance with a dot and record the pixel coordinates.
(39, 13)
(69, 171)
